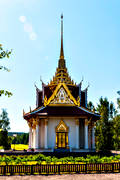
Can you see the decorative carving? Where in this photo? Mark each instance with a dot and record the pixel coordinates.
(45, 101)
(77, 122)
(78, 101)
(29, 124)
(61, 98)
(34, 123)
(86, 122)
(46, 122)
(62, 127)
(61, 95)
(37, 120)
(62, 75)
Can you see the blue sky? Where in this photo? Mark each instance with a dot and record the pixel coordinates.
(32, 29)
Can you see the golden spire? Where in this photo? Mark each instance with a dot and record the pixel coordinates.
(61, 74)
(61, 63)
(61, 51)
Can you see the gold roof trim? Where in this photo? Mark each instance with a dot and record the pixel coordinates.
(75, 102)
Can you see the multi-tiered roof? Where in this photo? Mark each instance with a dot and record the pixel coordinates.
(61, 96)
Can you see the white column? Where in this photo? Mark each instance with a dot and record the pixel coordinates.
(37, 137)
(34, 134)
(93, 137)
(77, 133)
(86, 133)
(30, 137)
(46, 130)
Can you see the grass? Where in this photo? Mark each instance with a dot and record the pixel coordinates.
(19, 147)
(1, 147)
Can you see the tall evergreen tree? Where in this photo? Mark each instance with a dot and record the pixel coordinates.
(4, 126)
(116, 132)
(104, 125)
(116, 127)
(4, 120)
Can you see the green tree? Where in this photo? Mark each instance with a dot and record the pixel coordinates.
(4, 139)
(4, 126)
(4, 120)
(116, 132)
(90, 106)
(116, 127)
(104, 125)
(21, 139)
(4, 54)
(118, 100)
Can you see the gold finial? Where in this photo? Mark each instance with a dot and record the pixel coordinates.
(61, 51)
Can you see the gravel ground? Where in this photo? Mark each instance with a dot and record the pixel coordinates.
(67, 177)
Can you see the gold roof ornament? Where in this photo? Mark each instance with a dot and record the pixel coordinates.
(45, 101)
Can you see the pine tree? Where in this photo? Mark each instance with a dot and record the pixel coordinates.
(104, 125)
(116, 132)
(4, 120)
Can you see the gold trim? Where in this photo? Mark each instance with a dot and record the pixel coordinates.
(57, 129)
(77, 122)
(47, 102)
(46, 122)
(86, 122)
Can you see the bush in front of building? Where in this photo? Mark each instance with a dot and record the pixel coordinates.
(42, 159)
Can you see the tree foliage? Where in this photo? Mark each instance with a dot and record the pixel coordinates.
(4, 121)
(116, 132)
(104, 131)
(90, 106)
(21, 139)
(4, 127)
(108, 127)
(4, 139)
(4, 54)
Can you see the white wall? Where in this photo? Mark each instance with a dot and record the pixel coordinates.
(53, 122)
(42, 136)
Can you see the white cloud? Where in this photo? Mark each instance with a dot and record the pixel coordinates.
(22, 19)
(28, 28)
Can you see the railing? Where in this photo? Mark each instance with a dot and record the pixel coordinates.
(59, 168)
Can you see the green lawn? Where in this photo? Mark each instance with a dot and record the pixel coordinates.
(19, 147)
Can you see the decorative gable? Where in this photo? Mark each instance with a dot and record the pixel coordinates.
(62, 127)
(61, 96)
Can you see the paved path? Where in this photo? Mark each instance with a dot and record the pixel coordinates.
(66, 177)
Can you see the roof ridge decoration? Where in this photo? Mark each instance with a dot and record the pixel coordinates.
(61, 97)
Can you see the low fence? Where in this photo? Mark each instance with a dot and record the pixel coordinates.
(59, 168)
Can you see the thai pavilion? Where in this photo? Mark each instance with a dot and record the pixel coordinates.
(61, 120)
